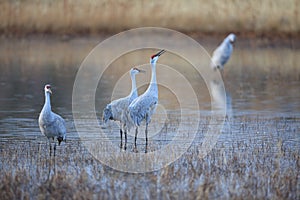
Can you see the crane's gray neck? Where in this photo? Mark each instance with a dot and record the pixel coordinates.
(153, 84)
(47, 105)
(153, 75)
(133, 85)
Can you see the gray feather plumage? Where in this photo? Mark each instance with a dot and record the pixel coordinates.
(117, 110)
(51, 124)
(223, 52)
(142, 108)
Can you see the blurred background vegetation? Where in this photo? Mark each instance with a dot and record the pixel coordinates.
(91, 16)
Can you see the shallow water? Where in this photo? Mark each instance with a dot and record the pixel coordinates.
(261, 80)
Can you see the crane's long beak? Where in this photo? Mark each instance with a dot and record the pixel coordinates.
(161, 52)
(142, 71)
(232, 43)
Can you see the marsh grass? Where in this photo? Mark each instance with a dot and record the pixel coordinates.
(76, 16)
(255, 157)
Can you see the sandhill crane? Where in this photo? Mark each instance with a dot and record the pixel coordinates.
(117, 109)
(223, 52)
(144, 106)
(51, 125)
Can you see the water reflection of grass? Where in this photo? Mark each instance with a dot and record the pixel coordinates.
(252, 58)
(254, 158)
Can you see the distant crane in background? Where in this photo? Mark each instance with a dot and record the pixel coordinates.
(223, 52)
(51, 125)
(143, 107)
(117, 109)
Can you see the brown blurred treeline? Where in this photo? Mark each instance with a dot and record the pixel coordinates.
(91, 16)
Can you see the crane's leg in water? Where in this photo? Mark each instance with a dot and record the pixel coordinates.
(125, 145)
(136, 132)
(54, 149)
(121, 136)
(146, 134)
(50, 148)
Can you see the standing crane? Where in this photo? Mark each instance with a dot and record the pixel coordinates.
(143, 107)
(223, 52)
(117, 109)
(51, 125)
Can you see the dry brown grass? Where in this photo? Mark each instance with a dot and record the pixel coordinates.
(91, 16)
(256, 159)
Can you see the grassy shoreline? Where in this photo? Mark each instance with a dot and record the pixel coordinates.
(258, 160)
(90, 17)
